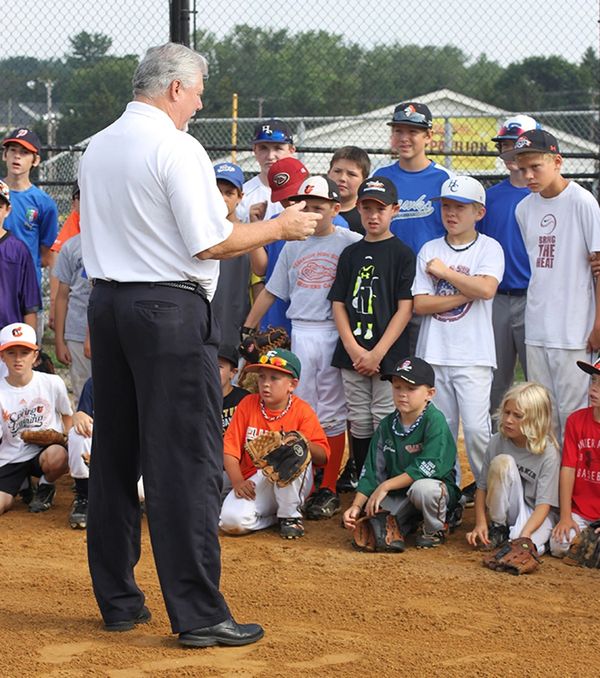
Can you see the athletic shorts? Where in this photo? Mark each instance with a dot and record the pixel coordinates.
(13, 475)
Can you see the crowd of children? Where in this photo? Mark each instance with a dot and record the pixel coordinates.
(407, 310)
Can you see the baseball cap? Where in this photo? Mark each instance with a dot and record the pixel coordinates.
(285, 177)
(413, 370)
(533, 141)
(412, 113)
(273, 131)
(5, 192)
(229, 353)
(227, 171)
(589, 368)
(381, 189)
(512, 128)
(318, 187)
(279, 359)
(26, 138)
(462, 189)
(17, 334)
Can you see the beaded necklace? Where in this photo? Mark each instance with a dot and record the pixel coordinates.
(277, 416)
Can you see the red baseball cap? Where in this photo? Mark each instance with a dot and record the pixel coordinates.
(285, 178)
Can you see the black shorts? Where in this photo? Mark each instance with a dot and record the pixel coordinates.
(13, 475)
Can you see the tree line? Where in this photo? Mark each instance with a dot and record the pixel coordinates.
(313, 73)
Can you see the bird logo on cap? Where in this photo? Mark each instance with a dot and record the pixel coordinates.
(308, 188)
(17, 331)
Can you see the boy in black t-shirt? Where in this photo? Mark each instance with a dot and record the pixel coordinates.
(372, 304)
(232, 395)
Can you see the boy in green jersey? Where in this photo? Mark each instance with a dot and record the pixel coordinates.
(409, 471)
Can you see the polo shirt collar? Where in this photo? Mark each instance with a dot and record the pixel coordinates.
(141, 108)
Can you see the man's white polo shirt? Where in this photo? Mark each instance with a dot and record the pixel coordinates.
(149, 202)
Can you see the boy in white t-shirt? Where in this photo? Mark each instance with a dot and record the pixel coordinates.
(560, 225)
(29, 400)
(455, 283)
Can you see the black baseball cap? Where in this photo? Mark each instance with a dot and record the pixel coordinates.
(273, 131)
(588, 367)
(412, 113)
(381, 189)
(533, 141)
(26, 138)
(229, 353)
(413, 370)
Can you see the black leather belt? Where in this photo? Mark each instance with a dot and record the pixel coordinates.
(187, 285)
(513, 293)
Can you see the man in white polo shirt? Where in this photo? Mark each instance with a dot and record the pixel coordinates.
(153, 223)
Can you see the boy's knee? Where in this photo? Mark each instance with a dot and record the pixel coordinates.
(501, 466)
(232, 521)
(6, 501)
(425, 490)
(362, 427)
(54, 460)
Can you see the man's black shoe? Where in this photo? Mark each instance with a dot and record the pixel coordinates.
(126, 625)
(228, 632)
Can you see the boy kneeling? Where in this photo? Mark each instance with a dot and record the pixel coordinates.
(29, 401)
(254, 502)
(409, 471)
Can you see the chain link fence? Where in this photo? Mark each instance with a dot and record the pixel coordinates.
(333, 70)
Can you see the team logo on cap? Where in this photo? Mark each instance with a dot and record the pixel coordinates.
(374, 186)
(281, 178)
(21, 133)
(17, 332)
(409, 110)
(309, 188)
(267, 129)
(454, 185)
(226, 168)
(405, 367)
(522, 142)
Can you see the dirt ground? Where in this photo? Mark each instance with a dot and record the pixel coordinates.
(327, 610)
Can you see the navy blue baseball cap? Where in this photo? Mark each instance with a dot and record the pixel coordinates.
(412, 113)
(24, 137)
(273, 131)
(227, 171)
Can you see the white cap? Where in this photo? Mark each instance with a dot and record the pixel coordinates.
(18, 334)
(462, 189)
(318, 187)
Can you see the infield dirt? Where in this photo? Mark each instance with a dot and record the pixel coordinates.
(327, 609)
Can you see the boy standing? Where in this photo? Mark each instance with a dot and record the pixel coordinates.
(254, 502)
(456, 280)
(303, 277)
(349, 167)
(417, 179)
(579, 485)
(499, 222)
(20, 292)
(29, 400)
(272, 141)
(34, 216)
(231, 302)
(372, 304)
(409, 471)
(560, 224)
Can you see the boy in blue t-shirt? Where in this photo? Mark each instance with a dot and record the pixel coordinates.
(34, 215)
(499, 222)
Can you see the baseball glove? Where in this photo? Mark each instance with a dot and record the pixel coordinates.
(281, 456)
(380, 533)
(585, 549)
(518, 556)
(255, 344)
(44, 437)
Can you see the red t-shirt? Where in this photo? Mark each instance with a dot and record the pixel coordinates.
(248, 423)
(581, 451)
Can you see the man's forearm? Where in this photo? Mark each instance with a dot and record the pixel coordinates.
(244, 238)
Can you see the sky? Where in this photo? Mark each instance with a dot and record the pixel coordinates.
(505, 30)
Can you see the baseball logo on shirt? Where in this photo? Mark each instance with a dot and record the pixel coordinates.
(445, 289)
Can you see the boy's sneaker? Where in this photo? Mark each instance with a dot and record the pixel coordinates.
(26, 493)
(498, 535)
(454, 518)
(78, 516)
(429, 540)
(322, 504)
(468, 493)
(291, 528)
(43, 498)
(347, 482)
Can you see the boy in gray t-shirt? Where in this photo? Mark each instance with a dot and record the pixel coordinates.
(70, 321)
(303, 275)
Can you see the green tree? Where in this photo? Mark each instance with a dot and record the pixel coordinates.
(88, 48)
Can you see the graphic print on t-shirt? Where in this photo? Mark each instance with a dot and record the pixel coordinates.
(445, 289)
(362, 298)
(29, 415)
(588, 463)
(316, 270)
(546, 242)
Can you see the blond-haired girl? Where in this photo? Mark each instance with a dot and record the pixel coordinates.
(518, 484)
